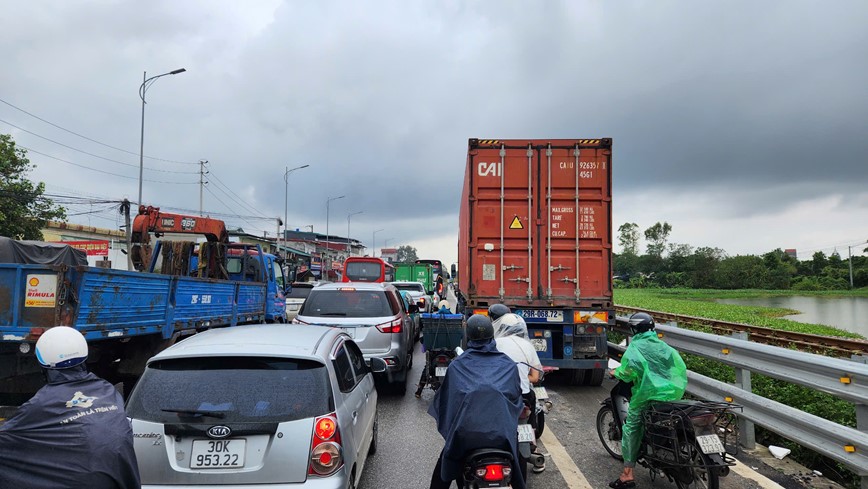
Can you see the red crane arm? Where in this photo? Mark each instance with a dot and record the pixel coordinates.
(151, 220)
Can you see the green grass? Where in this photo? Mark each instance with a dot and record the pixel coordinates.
(701, 303)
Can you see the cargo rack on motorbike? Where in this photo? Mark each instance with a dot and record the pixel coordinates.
(441, 335)
(672, 427)
(442, 331)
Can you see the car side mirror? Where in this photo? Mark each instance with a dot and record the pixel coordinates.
(378, 365)
(413, 309)
(420, 305)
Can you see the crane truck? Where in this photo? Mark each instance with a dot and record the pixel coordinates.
(177, 289)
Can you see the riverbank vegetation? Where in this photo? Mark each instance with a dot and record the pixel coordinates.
(681, 265)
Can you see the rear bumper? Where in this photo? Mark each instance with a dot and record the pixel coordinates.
(338, 480)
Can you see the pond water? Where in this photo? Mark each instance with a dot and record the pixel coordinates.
(847, 313)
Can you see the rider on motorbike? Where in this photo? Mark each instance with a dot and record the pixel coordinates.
(73, 432)
(477, 406)
(495, 311)
(510, 334)
(657, 373)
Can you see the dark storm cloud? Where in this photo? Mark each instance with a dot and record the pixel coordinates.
(381, 99)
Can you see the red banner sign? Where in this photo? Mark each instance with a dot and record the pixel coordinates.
(92, 248)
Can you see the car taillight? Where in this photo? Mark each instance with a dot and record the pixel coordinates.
(325, 450)
(391, 326)
(493, 472)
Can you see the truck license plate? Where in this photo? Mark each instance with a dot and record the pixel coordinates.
(440, 371)
(710, 444)
(539, 344)
(547, 315)
(217, 454)
(525, 433)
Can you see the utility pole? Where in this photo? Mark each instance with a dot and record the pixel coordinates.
(850, 259)
(202, 183)
(277, 246)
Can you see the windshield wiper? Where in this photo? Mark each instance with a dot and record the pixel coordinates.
(193, 412)
(333, 314)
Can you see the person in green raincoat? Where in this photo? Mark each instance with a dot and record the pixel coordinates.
(657, 373)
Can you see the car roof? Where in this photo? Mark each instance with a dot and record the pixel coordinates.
(278, 340)
(407, 282)
(356, 285)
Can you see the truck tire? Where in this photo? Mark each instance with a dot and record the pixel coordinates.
(578, 376)
(595, 377)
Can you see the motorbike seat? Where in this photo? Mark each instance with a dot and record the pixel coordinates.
(482, 453)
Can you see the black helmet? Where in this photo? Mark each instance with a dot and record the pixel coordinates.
(478, 328)
(495, 311)
(641, 322)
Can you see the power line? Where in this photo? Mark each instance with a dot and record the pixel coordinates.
(91, 154)
(94, 140)
(224, 204)
(242, 201)
(103, 171)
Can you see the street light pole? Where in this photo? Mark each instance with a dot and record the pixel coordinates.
(286, 202)
(327, 224)
(349, 248)
(143, 88)
(374, 243)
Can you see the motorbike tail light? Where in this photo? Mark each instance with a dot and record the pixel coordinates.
(442, 359)
(493, 472)
(326, 454)
(703, 420)
(391, 327)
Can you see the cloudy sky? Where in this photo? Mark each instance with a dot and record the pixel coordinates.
(742, 124)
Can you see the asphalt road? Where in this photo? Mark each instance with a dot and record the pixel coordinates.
(409, 442)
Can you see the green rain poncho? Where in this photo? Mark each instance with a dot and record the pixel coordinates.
(658, 374)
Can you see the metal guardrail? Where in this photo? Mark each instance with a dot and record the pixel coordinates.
(842, 378)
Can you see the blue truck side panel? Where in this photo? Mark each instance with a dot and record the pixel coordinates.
(105, 303)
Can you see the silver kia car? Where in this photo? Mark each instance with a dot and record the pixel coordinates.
(374, 315)
(273, 406)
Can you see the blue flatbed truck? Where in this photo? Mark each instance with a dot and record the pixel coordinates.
(127, 316)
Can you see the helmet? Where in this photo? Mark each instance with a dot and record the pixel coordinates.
(443, 303)
(497, 310)
(641, 322)
(479, 327)
(510, 325)
(61, 347)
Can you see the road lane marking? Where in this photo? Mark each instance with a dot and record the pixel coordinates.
(748, 473)
(574, 477)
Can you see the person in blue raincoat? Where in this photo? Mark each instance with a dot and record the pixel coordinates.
(657, 373)
(73, 433)
(477, 406)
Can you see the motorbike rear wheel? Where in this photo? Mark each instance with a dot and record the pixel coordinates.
(607, 429)
(704, 476)
(540, 424)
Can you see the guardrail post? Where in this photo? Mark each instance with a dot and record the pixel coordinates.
(746, 432)
(861, 414)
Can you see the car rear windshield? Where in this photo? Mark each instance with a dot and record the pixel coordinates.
(364, 271)
(234, 389)
(347, 303)
(299, 292)
(410, 287)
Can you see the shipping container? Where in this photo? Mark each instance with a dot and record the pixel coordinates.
(535, 233)
(416, 272)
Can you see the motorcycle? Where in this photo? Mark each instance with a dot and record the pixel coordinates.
(681, 441)
(531, 423)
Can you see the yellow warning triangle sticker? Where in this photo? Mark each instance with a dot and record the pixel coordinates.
(516, 223)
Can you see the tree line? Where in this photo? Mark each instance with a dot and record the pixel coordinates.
(679, 265)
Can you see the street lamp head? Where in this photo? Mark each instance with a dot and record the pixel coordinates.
(303, 166)
(179, 70)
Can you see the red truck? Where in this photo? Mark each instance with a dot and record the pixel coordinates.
(535, 233)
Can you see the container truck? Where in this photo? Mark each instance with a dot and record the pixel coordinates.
(128, 316)
(416, 272)
(535, 233)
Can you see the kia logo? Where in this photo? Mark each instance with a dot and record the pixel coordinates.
(219, 431)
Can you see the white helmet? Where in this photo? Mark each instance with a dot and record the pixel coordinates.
(510, 325)
(443, 303)
(61, 347)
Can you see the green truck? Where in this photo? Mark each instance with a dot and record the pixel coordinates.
(416, 272)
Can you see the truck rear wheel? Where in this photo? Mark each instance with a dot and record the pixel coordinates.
(595, 377)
